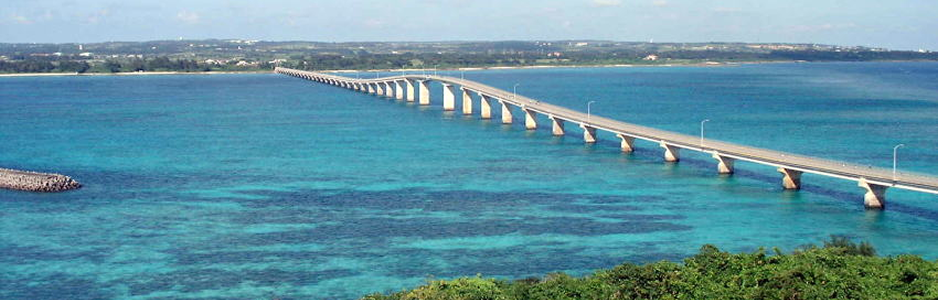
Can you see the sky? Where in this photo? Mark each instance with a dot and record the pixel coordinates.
(894, 24)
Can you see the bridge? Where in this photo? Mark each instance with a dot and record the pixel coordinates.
(874, 181)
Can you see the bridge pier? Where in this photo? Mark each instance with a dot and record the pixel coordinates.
(424, 88)
(466, 101)
(724, 164)
(875, 197)
(485, 106)
(411, 93)
(530, 119)
(398, 90)
(388, 89)
(589, 134)
(371, 88)
(506, 112)
(671, 153)
(449, 97)
(379, 90)
(791, 179)
(627, 143)
(556, 126)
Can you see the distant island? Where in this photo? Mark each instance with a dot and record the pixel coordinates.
(234, 55)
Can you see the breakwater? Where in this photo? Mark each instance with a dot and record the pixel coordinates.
(35, 181)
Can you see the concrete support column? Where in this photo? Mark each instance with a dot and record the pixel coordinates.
(627, 143)
(389, 90)
(875, 197)
(671, 153)
(424, 87)
(379, 89)
(466, 101)
(449, 97)
(411, 92)
(485, 106)
(557, 126)
(791, 179)
(530, 119)
(398, 90)
(371, 88)
(724, 164)
(589, 134)
(506, 112)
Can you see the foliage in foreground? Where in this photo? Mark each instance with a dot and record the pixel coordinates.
(840, 269)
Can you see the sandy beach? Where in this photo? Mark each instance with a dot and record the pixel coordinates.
(703, 64)
(132, 73)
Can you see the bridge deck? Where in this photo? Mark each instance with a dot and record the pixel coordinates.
(807, 164)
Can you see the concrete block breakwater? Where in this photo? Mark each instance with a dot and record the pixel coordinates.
(35, 181)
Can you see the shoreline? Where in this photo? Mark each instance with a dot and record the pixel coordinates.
(703, 64)
(132, 73)
(708, 64)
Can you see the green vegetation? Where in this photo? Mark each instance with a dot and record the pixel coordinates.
(840, 269)
(245, 55)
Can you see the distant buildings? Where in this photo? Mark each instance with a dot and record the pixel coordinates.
(651, 57)
(245, 63)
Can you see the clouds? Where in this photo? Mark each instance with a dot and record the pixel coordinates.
(864, 22)
(187, 17)
(822, 27)
(22, 20)
(607, 3)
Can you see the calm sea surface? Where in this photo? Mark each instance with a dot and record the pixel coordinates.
(267, 186)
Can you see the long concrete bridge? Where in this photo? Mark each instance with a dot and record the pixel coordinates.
(873, 181)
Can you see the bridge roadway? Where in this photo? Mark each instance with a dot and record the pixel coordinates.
(873, 180)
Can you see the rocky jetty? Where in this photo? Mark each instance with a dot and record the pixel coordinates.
(36, 182)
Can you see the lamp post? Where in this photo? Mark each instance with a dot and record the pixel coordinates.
(589, 111)
(702, 131)
(514, 91)
(895, 151)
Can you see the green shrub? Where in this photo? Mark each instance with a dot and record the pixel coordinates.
(840, 269)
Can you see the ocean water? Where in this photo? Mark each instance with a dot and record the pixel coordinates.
(271, 187)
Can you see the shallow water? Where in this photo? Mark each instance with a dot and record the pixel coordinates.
(267, 186)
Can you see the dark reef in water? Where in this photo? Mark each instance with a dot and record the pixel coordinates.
(35, 181)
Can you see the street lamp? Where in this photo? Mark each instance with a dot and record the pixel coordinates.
(514, 91)
(895, 151)
(702, 131)
(589, 111)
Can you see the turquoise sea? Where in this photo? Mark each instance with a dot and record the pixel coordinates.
(271, 187)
